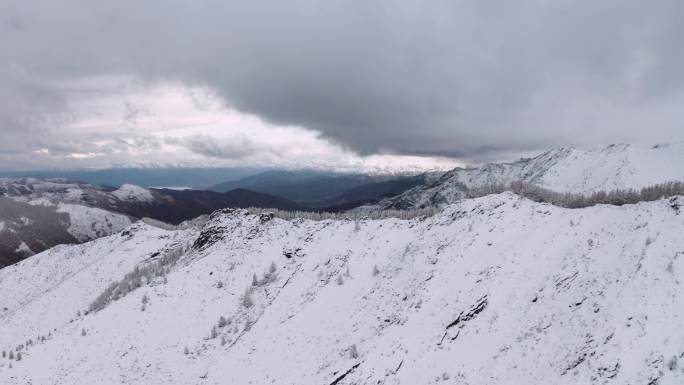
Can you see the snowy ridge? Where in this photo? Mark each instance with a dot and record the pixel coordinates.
(87, 223)
(39, 214)
(562, 170)
(129, 192)
(494, 290)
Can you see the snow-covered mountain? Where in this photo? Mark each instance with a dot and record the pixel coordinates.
(493, 290)
(562, 170)
(36, 214)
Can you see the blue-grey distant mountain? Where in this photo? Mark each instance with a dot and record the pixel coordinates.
(320, 189)
(175, 206)
(373, 192)
(289, 184)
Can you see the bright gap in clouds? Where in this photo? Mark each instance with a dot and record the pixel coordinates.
(122, 123)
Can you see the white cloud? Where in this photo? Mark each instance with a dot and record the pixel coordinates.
(128, 123)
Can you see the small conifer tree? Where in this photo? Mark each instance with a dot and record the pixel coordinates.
(247, 299)
(145, 300)
(353, 353)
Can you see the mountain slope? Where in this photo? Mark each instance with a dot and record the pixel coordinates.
(268, 181)
(563, 170)
(38, 214)
(187, 204)
(19, 222)
(494, 290)
(372, 192)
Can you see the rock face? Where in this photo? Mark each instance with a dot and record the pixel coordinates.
(562, 170)
(494, 290)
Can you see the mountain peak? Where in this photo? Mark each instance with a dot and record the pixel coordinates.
(565, 169)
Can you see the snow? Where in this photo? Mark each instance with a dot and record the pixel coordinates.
(563, 170)
(24, 249)
(42, 201)
(86, 223)
(565, 296)
(177, 188)
(129, 192)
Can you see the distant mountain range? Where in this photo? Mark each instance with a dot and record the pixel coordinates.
(322, 190)
(563, 170)
(493, 289)
(38, 214)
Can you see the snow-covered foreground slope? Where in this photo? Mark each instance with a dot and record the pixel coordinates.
(562, 170)
(495, 290)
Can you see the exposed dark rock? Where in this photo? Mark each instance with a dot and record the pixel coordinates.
(341, 377)
(470, 314)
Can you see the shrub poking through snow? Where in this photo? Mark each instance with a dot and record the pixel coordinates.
(186, 351)
(376, 271)
(145, 300)
(222, 322)
(247, 298)
(353, 353)
(672, 364)
(255, 280)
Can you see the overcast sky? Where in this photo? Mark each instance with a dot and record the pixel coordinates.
(340, 84)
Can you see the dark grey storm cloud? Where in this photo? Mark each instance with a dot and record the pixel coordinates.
(440, 77)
